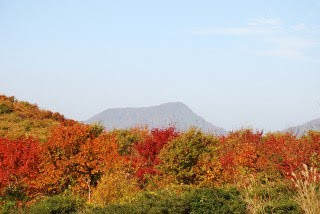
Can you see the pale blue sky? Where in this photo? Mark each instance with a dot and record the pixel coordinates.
(236, 63)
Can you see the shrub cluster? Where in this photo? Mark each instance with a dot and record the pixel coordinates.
(135, 170)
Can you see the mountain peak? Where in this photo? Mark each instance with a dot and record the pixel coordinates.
(175, 114)
(174, 104)
(304, 128)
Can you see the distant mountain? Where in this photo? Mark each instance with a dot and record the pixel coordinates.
(174, 114)
(302, 129)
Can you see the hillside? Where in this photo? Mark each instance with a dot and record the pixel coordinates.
(20, 118)
(302, 129)
(87, 168)
(169, 114)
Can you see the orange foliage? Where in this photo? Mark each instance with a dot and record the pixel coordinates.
(76, 156)
(239, 153)
(243, 153)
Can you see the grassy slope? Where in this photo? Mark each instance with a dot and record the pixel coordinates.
(19, 118)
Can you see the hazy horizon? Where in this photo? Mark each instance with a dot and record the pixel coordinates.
(257, 66)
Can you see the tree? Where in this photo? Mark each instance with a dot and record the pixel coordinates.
(114, 186)
(76, 156)
(286, 153)
(239, 154)
(128, 138)
(180, 155)
(146, 152)
(19, 161)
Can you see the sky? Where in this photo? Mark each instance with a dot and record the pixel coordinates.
(238, 64)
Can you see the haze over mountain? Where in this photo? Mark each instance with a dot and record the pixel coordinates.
(174, 114)
(302, 129)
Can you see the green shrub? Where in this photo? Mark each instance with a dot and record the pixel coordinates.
(160, 201)
(283, 207)
(14, 193)
(216, 201)
(112, 209)
(126, 139)
(64, 203)
(4, 108)
(270, 197)
(11, 197)
(8, 207)
(180, 201)
(279, 199)
(164, 201)
(96, 129)
(181, 155)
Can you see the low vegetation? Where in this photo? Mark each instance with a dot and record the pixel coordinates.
(56, 165)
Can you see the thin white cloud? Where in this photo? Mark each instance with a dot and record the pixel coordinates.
(293, 42)
(279, 39)
(236, 31)
(256, 26)
(288, 53)
(265, 21)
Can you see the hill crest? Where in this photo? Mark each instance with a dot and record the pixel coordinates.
(175, 114)
(313, 125)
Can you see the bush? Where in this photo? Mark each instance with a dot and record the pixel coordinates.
(112, 187)
(180, 156)
(164, 201)
(64, 203)
(177, 200)
(126, 139)
(216, 201)
(161, 201)
(265, 196)
(282, 207)
(14, 193)
(279, 198)
(111, 209)
(8, 207)
(4, 108)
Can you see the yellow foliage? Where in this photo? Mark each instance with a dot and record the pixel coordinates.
(114, 187)
(208, 170)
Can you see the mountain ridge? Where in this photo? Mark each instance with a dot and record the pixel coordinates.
(175, 114)
(313, 125)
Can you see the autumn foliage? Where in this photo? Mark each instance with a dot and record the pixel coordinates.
(286, 153)
(19, 161)
(180, 156)
(22, 119)
(239, 154)
(76, 156)
(44, 154)
(145, 157)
